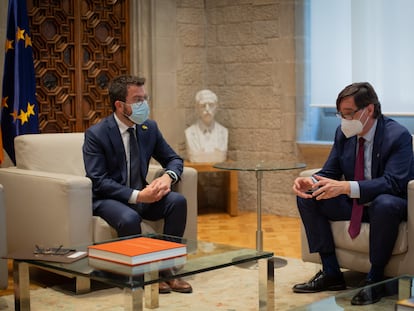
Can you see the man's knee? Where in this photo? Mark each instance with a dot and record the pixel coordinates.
(176, 206)
(305, 204)
(385, 205)
(181, 201)
(301, 202)
(178, 200)
(129, 224)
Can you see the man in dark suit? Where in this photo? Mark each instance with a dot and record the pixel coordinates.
(379, 193)
(117, 152)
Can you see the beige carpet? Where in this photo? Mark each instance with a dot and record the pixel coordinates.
(228, 289)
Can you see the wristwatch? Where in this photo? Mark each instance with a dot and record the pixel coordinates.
(172, 175)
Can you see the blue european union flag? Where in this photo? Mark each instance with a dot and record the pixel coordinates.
(19, 109)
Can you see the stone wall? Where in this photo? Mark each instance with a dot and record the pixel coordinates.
(244, 51)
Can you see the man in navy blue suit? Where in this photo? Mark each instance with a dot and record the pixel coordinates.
(381, 192)
(117, 152)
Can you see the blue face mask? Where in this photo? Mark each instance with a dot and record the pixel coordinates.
(140, 112)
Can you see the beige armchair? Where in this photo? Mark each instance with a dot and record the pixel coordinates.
(49, 199)
(3, 245)
(354, 254)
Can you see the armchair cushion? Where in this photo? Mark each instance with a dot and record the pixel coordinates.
(361, 242)
(55, 153)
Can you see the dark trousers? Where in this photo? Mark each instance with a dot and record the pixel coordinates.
(384, 215)
(126, 218)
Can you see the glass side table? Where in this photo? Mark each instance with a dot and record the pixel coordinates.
(259, 167)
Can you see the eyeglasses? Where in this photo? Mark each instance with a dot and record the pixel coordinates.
(141, 99)
(52, 251)
(347, 116)
(138, 100)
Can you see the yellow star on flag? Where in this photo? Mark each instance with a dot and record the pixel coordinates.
(30, 109)
(9, 45)
(27, 41)
(20, 34)
(14, 115)
(23, 117)
(4, 102)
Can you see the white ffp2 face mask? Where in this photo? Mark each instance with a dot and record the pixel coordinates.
(352, 127)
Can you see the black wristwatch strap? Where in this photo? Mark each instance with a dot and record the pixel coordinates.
(172, 176)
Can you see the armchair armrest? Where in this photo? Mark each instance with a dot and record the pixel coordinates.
(188, 187)
(47, 209)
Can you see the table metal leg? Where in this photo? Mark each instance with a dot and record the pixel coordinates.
(133, 299)
(266, 285)
(259, 232)
(21, 285)
(278, 262)
(151, 291)
(405, 287)
(83, 285)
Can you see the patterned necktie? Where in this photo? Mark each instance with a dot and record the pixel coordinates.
(135, 181)
(357, 209)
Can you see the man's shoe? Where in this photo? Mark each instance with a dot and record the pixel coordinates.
(321, 282)
(180, 286)
(176, 284)
(368, 295)
(164, 288)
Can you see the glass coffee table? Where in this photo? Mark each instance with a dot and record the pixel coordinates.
(397, 288)
(202, 257)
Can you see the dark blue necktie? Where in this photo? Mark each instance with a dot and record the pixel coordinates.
(357, 209)
(135, 180)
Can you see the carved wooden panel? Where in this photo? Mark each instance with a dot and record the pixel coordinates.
(79, 46)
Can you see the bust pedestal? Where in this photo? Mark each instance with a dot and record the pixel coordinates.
(232, 183)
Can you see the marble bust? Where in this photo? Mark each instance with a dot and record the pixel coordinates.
(206, 140)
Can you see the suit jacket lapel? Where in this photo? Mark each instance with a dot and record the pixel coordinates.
(350, 155)
(376, 148)
(141, 147)
(118, 145)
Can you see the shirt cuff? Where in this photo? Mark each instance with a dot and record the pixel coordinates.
(134, 196)
(354, 187)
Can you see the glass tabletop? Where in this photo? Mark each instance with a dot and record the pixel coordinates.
(202, 256)
(395, 289)
(259, 165)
